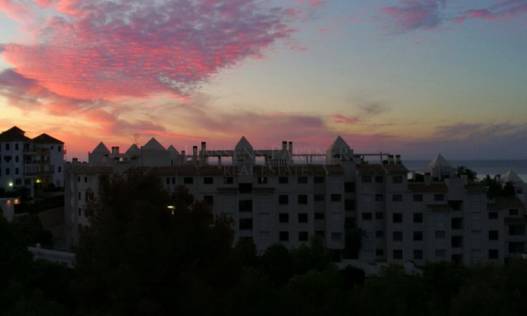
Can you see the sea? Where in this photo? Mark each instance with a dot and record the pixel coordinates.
(481, 167)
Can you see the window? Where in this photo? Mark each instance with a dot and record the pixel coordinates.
(493, 254)
(228, 180)
(303, 236)
(439, 197)
(336, 197)
(7, 147)
(80, 196)
(245, 187)
(283, 180)
(418, 198)
(493, 235)
(16, 171)
(302, 199)
(366, 216)
(457, 241)
(59, 148)
(516, 247)
(59, 170)
(283, 217)
(302, 218)
(319, 216)
(379, 179)
(440, 234)
(245, 205)
(440, 253)
(514, 212)
(418, 218)
(397, 217)
(379, 215)
(366, 179)
(336, 236)
(7, 171)
(284, 236)
(209, 199)
(349, 187)
(168, 180)
(17, 159)
(319, 180)
(16, 146)
(379, 234)
(418, 236)
(188, 180)
(320, 233)
(418, 254)
(379, 252)
(319, 197)
(208, 180)
(457, 223)
(302, 180)
(349, 205)
(397, 179)
(493, 215)
(397, 197)
(397, 236)
(262, 180)
(246, 223)
(516, 229)
(80, 211)
(379, 197)
(397, 254)
(283, 199)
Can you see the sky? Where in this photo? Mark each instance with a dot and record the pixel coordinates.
(410, 77)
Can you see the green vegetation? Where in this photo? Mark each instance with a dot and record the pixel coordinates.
(141, 258)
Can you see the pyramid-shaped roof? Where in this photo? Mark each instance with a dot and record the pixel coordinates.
(46, 139)
(340, 145)
(153, 144)
(439, 162)
(512, 177)
(132, 151)
(171, 149)
(101, 149)
(244, 145)
(14, 134)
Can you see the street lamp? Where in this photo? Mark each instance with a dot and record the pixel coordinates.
(172, 209)
(11, 184)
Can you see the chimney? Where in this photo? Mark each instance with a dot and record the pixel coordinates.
(195, 153)
(291, 148)
(284, 145)
(115, 151)
(184, 156)
(203, 147)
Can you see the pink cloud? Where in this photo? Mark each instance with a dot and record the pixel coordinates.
(505, 9)
(415, 14)
(344, 119)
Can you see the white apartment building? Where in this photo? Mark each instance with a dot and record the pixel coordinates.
(279, 196)
(27, 164)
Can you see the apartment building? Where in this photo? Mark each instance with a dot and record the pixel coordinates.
(28, 164)
(280, 196)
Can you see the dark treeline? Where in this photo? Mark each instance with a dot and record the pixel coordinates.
(141, 258)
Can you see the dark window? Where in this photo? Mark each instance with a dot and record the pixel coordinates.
(209, 199)
(514, 212)
(379, 197)
(302, 218)
(517, 230)
(397, 197)
(7, 171)
(336, 236)
(17, 159)
(379, 179)
(6, 146)
(493, 235)
(516, 247)
(397, 236)
(320, 233)
(228, 180)
(457, 258)
(440, 234)
(319, 197)
(493, 254)
(379, 252)
(283, 199)
(418, 217)
(16, 146)
(379, 234)
(418, 236)
(319, 216)
(319, 180)
(439, 197)
(418, 254)
(397, 179)
(246, 205)
(262, 180)
(493, 215)
(188, 180)
(208, 180)
(336, 197)
(16, 171)
(418, 198)
(59, 170)
(366, 179)
(366, 216)
(302, 180)
(379, 215)
(168, 180)
(457, 223)
(349, 187)
(283, 217)
(284, 236)
(349, 205)
(245, 187)
(303, 236)
(302, 199)
(397, 254)
(173, 180)
(59, 149)
(283, 180)
(397, 217)
(246, 223)
(457, 241)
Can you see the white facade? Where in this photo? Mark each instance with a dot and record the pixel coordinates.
(274, 199)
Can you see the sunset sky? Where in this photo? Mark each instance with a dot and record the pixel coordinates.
(415, 77)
